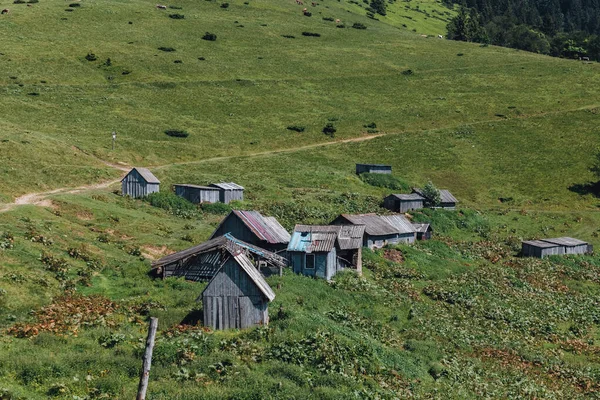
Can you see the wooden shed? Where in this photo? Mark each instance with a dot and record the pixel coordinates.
(373, 169)
(237, 297)
(201, 262)
(380, 230)
(198, 194)
(323, 250)
(253, 227)
(403, 202)
(139, 182)
(424, 230)
(447, 200)
(556, 246)
(229, 191)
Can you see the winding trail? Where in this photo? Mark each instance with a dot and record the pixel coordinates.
(41, 198)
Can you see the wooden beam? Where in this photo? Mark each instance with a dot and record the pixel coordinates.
(147, 360)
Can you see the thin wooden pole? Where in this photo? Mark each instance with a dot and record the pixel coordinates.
(147, 360)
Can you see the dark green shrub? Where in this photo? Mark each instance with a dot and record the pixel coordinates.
(225, 5)
(177, 16)
(385, 181)
(19, 2)
(408, 72)
(216, 208)
(73, 5)
(91, 57)
(209, 36)
(329, 129)
(311, 34)
(167, 49)
(289, 36)
(171, 202)
(175, 8)
(176, 133)
(296, 128)
(328, 19)
(358, 25)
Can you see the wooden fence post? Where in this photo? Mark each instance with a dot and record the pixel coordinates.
(147, 360)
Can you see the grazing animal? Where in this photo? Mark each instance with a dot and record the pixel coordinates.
(5, 11)
(337, 21)
(161, 7)
(299, 2)
(423, 35)
(585, 58)
(314, 4)
(440, 37)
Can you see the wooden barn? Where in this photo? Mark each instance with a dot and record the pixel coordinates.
(380, 230)
(237, 297)
(424, 230)
(403, 202)
(323, 250)
(447, 200)
(373, 169)
(229, 191)
(198, 194)
(557, 246)
(139, 182)
(201, 262)
(253, 227)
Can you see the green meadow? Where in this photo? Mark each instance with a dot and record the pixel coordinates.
(511, 134)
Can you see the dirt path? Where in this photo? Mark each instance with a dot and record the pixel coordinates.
(41, 197)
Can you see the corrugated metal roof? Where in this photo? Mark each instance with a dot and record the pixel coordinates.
(400, 222)
(312, 242)
(566, 241)
(265, 228)
(145, 173)
(540, 243)
(351, 236)
(227, 242)
(374, 224)
(228, 186)
(196, 186)
(420, 228)
(445, 195)
(409, 197)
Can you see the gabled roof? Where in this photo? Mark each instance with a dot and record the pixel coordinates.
(226, 242)
(421, 227)
(265, 228)
(400, 222)
(145, 174)
(246, 265)
(196, 186)
(227, 186)
(445, 195)
(408, 197)
(541, 244)
(374, 224)
(318, 238)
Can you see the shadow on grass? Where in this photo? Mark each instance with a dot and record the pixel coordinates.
(195, 317)
(592, 188)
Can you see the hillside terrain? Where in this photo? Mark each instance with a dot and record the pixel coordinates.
(512, 134)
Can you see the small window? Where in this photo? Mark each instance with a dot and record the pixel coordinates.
(310, 261)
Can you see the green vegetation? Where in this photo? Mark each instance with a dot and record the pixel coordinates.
(459, 315)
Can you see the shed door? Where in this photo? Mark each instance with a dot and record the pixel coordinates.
(247, 312)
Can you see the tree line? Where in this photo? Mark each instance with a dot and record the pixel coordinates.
(561, 28)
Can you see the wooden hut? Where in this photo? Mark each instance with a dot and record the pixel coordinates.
(556, 246)
(237, 297)
(139, 182)
(323, 250)
(424, 230)
(403, 202)
(201, 262)
(253, 227)
(380, 230)
(447, 200)
(198, 194)
(373, 169)
(229, 191)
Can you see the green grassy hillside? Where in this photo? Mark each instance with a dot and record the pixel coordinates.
(511, 134)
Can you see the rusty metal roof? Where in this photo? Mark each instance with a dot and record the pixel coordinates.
(227, 186)
(145, 174)
(265, 228)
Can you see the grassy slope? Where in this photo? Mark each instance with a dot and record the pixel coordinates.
(501, 328)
